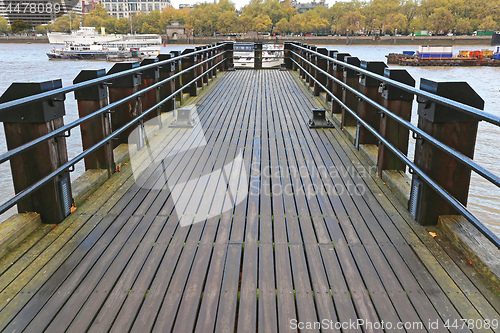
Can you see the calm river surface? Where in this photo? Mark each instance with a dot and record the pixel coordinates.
(28, 62)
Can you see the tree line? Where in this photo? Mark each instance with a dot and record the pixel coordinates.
(275, 16)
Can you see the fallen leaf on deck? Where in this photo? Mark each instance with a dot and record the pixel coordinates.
(73, 208)
(433, 234)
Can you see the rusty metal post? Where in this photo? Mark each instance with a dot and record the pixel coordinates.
(89, 100)
(321, 77)
(330, 69)
(151, 97)
(119, 89)
(338, 72)
(458, 131)
(349, 99)
(369, 87)
(400, 103)
(188, 63)
(168, 88)
(210, 53)
(257, 53)
(24, 124)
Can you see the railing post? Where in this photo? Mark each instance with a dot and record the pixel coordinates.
(369, 87)
(216, 59)
(453, 128)
(312, 71)
(199, 70)
(330, 69)
(188, 62)
(302, 62)
(151, 97)
(288, 46)
(221, 57)
(338, 72)
(24, 124)
(321, 77)
(257, 52)
(121, 88)
(350, 100)
(178, 79)
(229, 55)
(209, 64)
(91, 99)
(168, 88)
(399, 102)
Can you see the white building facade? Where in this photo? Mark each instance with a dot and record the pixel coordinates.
(128, 8)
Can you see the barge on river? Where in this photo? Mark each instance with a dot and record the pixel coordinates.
(443, 56)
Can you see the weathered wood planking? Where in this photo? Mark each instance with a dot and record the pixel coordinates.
(295, 248)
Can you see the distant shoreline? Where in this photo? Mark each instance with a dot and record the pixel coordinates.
(341, 40)
(318, 40)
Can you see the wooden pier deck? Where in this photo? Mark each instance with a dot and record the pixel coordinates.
(319, 240)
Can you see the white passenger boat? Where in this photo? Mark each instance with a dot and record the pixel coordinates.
(243, 56)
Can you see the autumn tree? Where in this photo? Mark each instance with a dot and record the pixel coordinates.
(19, 26)
(283, 26)
(488, 24)
(4, 25)
(441, 20)
(262, 23)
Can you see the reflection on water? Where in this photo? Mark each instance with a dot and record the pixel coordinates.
(28, 62)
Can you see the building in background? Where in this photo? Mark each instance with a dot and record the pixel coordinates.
(87, 6)
(185, 6)
(128, 8)
(36, 12)
(303, 7)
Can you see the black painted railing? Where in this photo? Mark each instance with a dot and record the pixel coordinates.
(375, 102)
(110, 105)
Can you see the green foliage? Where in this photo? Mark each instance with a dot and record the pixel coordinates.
(359, 17)
(4, 25)
(19, 26)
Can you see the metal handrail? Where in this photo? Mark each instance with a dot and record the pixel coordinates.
(65, 167)
(494, 179)
(415, 169)
(477, 113)
(61, 130)
(107, 78)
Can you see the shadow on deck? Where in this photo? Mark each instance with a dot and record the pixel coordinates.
(249, 221)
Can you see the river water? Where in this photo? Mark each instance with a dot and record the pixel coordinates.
(28, 62)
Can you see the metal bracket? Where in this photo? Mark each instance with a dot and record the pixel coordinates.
(63, 135)
(319, 119)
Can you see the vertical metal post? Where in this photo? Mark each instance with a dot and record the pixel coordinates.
(119, 89)
(151, 97)
(188, 63)
(312, 71)
(288, 46)
(257, 60)
(178, 79)
(29, 122)
(321, 77)
(338, 72)
(349, 99)
(369, 87)
(199, 70)
(168, 88)
(89, 100)
(330, 69)
(455, 129)
(400, 103)
(229, 55)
